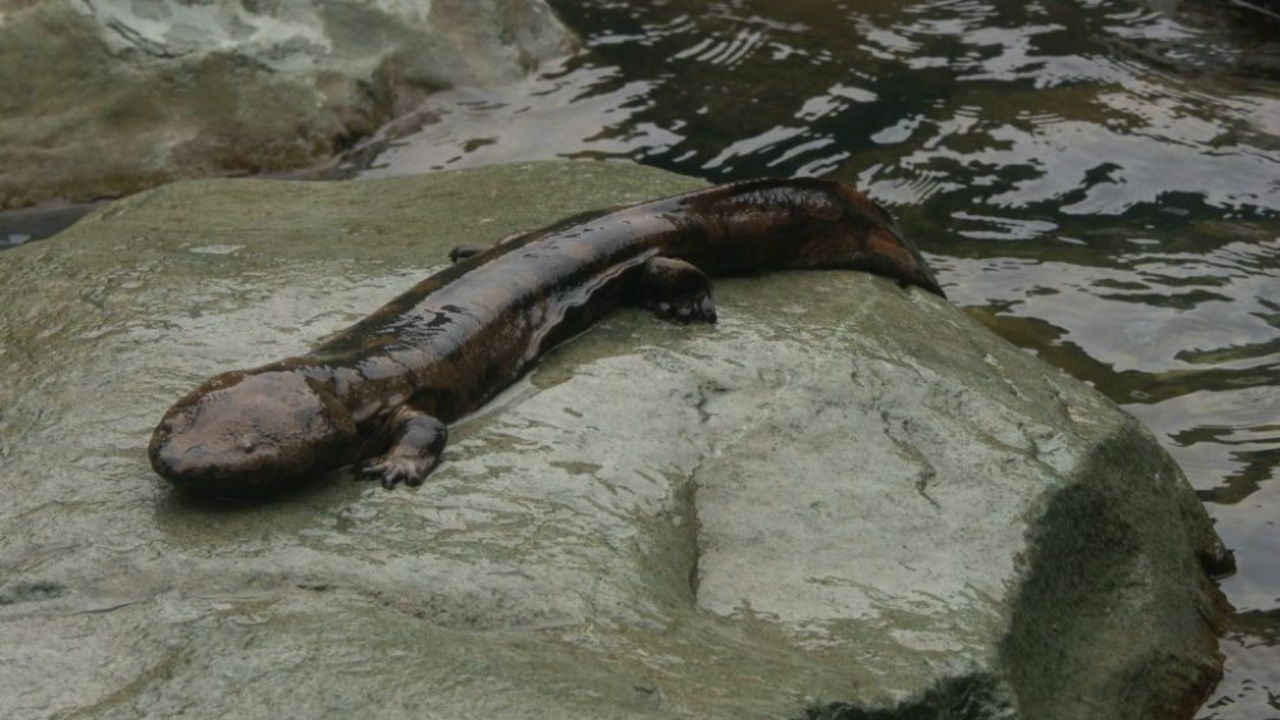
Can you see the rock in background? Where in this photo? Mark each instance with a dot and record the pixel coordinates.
(100, 98)
(844, 501)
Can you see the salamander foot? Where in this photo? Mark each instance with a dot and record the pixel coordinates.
(677, 290)
(417, 442)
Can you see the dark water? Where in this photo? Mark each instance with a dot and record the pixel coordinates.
(21, 226)
(1097, 181)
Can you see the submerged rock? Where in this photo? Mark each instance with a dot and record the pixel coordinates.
(103, 98)
(845, 500)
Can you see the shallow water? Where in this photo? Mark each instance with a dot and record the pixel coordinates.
(1097, 181)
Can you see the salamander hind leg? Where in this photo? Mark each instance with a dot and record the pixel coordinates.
(417, 439)
(677, 290)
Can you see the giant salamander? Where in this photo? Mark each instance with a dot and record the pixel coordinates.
(380, 393)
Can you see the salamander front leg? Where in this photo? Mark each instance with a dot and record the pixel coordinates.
(462, 252)
(677, 290)
(417, 439)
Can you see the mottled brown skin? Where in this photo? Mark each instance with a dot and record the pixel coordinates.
(380, 393)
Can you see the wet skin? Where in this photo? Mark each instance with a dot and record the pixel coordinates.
(379, 394)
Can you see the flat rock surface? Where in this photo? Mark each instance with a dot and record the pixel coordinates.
(844, 498)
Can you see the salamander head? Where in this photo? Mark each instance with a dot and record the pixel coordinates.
(241, 433)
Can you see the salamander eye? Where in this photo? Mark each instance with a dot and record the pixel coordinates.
(246, 445)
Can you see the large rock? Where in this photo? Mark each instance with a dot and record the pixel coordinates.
(106, 97)
(845, 500)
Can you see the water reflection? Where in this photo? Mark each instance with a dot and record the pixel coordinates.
(556, 114)
(1241, 694)
(1098, 181)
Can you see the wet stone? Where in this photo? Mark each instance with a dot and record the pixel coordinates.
(168, 89)
(842, 500)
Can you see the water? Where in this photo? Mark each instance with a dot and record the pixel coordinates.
(1098, 181)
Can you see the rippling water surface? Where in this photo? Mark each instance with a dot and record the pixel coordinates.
(1097, 181)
